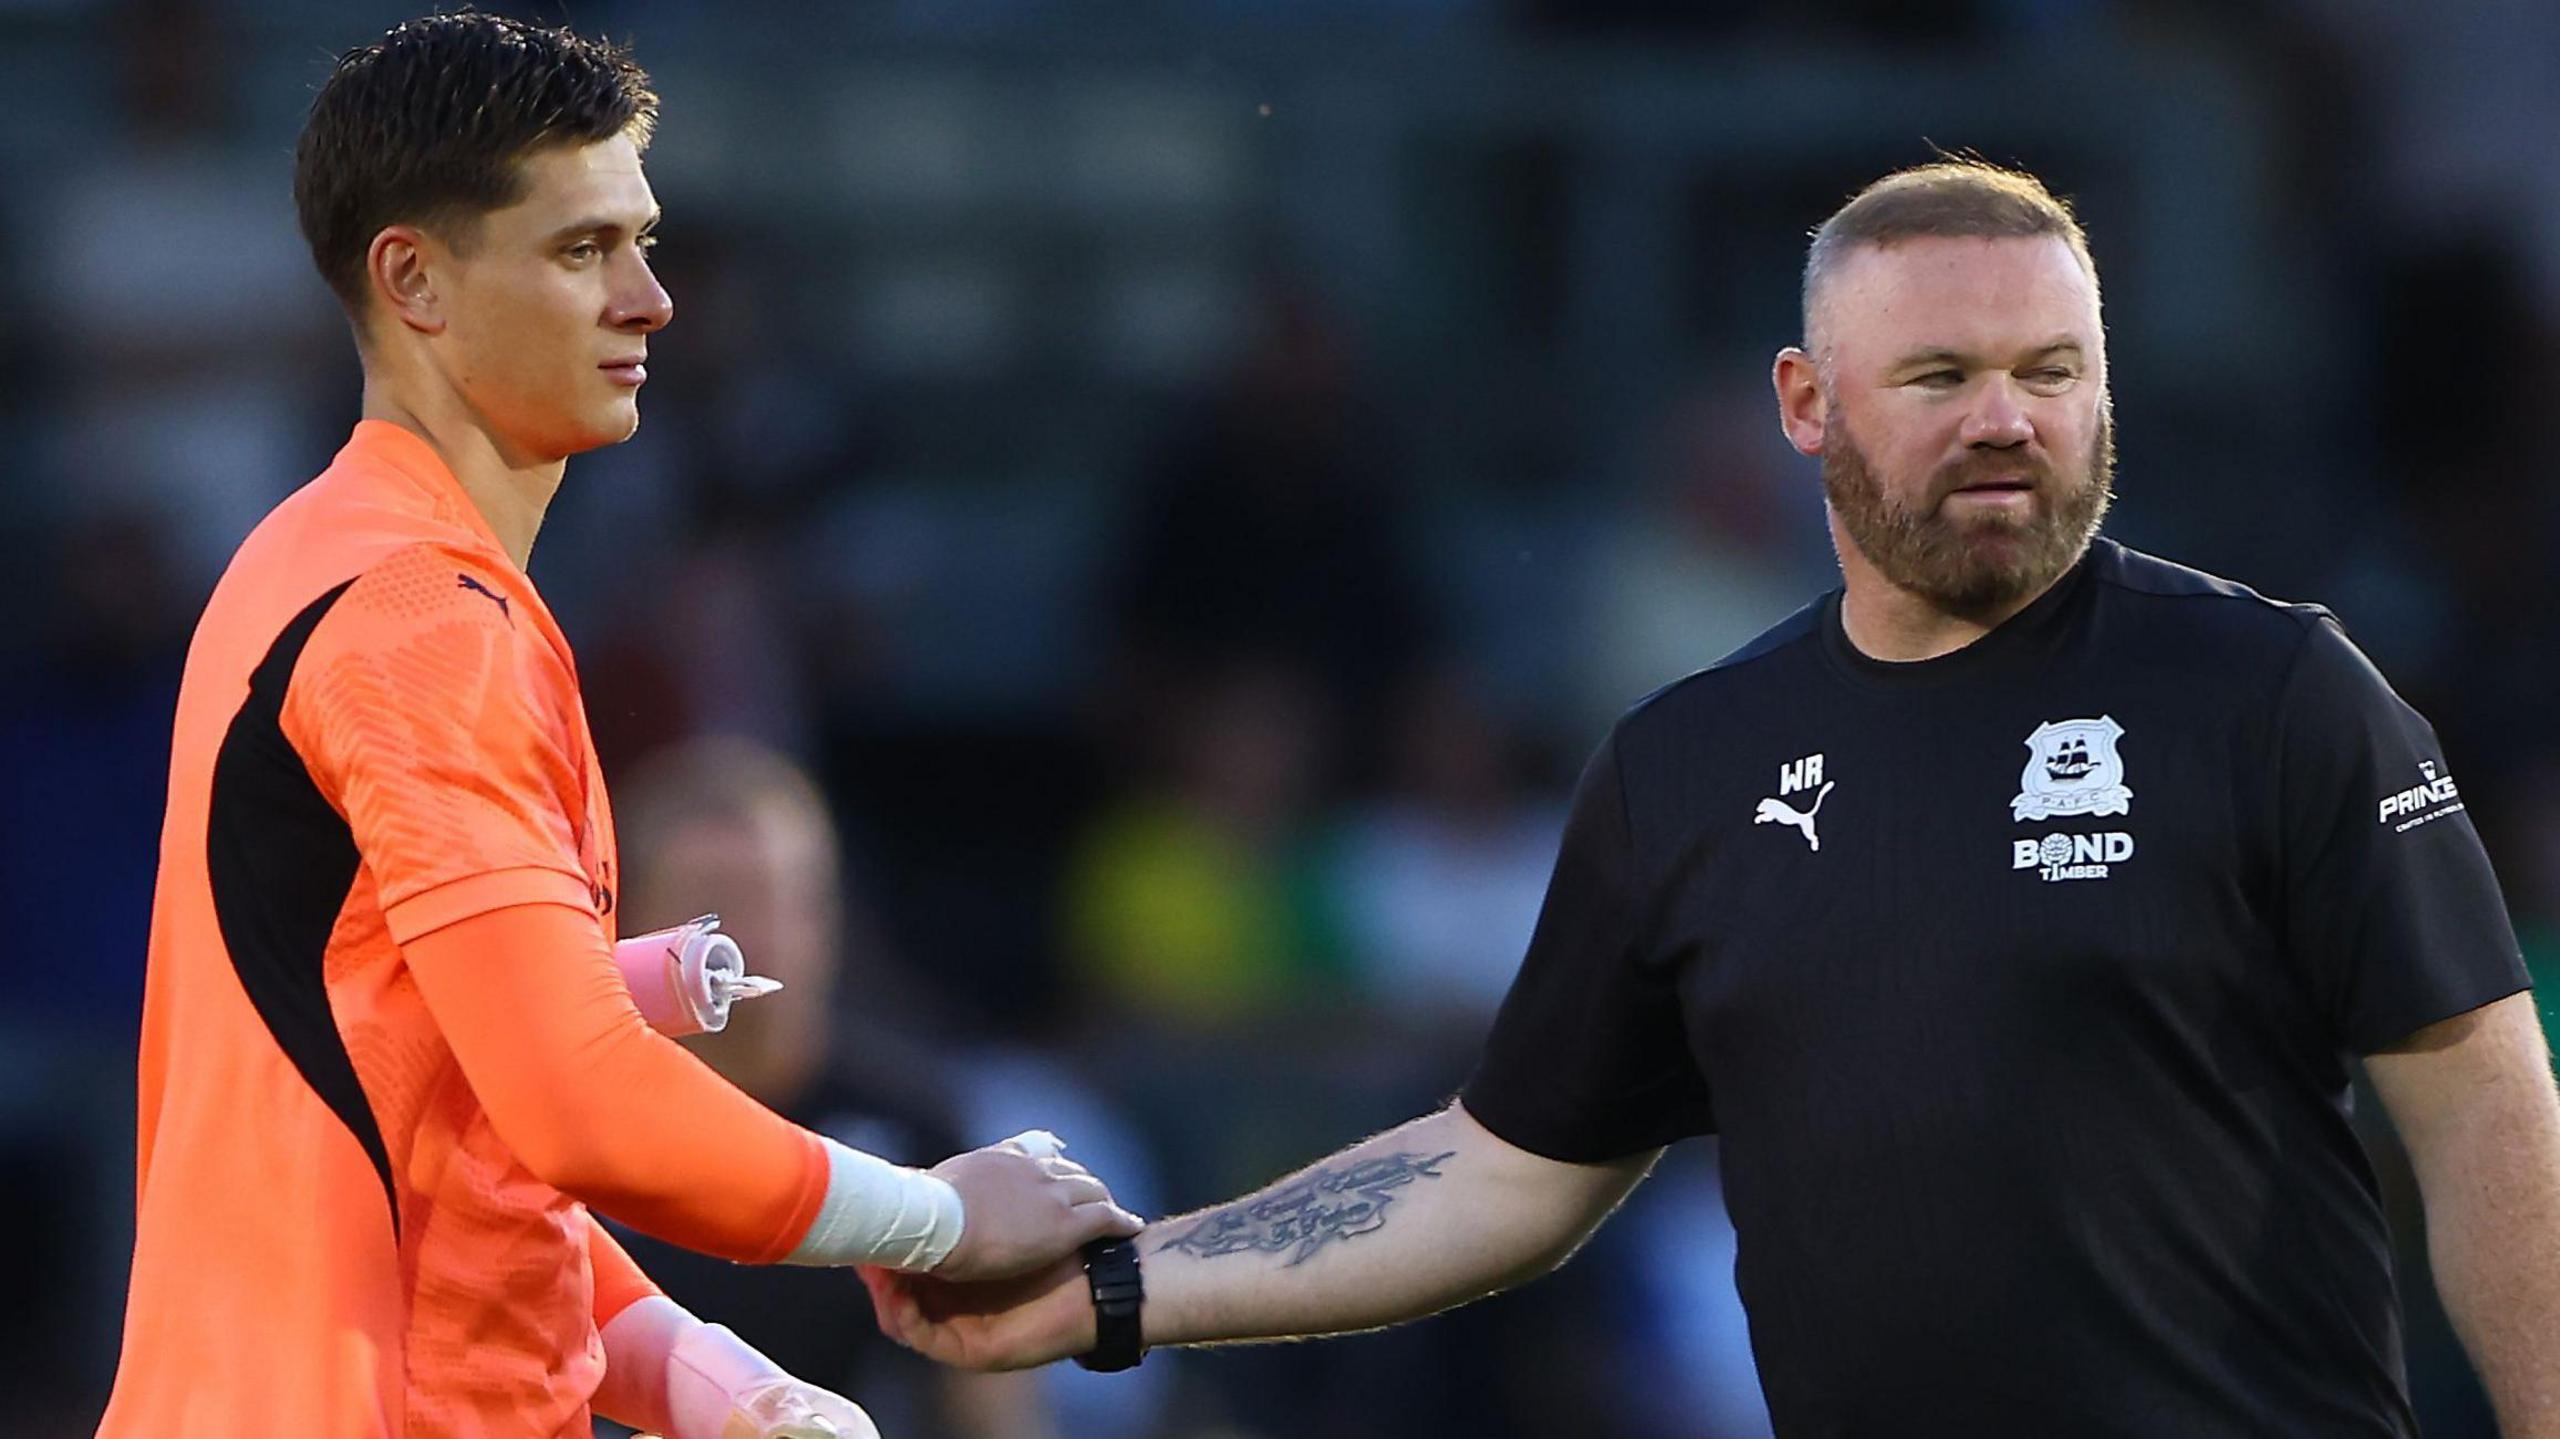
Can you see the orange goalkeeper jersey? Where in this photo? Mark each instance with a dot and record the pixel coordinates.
(379, 735)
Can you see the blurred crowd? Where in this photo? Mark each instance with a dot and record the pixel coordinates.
(1144, 507)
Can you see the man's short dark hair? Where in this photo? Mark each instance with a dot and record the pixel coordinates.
(429, 125)
(1958, 197)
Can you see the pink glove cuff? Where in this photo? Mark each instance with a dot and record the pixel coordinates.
(636, 1344)
(707, 1372)
(684, 979)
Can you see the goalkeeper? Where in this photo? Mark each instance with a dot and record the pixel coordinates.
(387, 1061)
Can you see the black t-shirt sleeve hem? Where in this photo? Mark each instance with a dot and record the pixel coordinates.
(2384, 1036)
(1513, 1120)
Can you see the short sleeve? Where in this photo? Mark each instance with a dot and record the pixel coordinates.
(1589, 1059)
(2390, 905)
(441, 733)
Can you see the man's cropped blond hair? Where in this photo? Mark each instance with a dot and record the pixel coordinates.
(1960, 197)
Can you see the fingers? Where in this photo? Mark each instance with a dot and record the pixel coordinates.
(892, 1303)
(901, 1315)
(1038, 1143)
(1080, 1189)
(902, 1312)
(1062, 1167)
(1101, 1219)
(1046, 1148)
(1027, 1205)
(1076, 1184)
(1087, 1195)
(886, 1291)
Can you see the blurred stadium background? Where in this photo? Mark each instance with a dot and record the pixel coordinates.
(1190, 479)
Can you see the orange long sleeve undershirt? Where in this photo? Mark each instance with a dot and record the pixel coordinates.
(620, 1281)
(599, 1105)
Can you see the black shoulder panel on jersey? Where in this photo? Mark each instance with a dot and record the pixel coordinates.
(1771, 640)
(281, 861)
(2130, 569)
(1776, 637)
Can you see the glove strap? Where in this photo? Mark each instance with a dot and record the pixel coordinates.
(1111, 1268)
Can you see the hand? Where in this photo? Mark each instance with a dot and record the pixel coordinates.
(1022, 1210)
(1007, 1324)
(790, 1409)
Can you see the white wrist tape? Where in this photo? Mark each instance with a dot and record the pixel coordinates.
(880, 1213)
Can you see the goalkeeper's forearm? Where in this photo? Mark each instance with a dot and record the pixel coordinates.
(1426, 1216)
(595, 1103)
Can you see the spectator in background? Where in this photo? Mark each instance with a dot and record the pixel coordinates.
(1438, 883)
(2486, 669)
(1191, 906)
(190, 325)
(728, 825)
(701, 642)
(1196, 937)
(1271, 525)
(1715, 552)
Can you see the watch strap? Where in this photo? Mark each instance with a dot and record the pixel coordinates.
(1111, 1269)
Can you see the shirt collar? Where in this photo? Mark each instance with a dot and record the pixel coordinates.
(405, 452)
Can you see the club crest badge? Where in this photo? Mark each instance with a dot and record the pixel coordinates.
(2072, 769)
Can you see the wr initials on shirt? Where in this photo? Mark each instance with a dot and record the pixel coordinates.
(1803, 774)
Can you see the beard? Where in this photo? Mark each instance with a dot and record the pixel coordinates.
(1979, 565)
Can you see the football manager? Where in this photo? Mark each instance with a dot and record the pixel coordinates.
(2017, 913)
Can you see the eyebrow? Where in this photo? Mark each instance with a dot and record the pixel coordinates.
(603, 225)
(1962, 360)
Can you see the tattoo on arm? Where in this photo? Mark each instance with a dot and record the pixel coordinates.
(1300, 1217)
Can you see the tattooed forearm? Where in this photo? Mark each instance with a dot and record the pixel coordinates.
(1298, 1218)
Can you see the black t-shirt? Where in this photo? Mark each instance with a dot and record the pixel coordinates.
(2022, 985)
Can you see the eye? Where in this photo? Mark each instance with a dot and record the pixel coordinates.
(2050, 375)
(1939, 379)
(646, 243)
(583, 251)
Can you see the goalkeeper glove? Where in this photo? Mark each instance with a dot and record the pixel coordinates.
(667, 1371)
(684, 979)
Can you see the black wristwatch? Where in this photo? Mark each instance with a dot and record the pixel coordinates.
(1111, 1267)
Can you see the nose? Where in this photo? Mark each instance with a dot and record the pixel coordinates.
(1998, 420)
(641, 305)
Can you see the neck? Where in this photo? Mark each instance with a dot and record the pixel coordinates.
(1884, 621)
(509, 488)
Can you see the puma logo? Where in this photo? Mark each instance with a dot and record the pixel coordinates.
(1778, 811)
(494, 597)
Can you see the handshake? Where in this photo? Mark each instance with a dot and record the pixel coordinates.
(1022, 1299)
(1024, 1211)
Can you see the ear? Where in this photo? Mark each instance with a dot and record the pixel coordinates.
(1802, 410)
(403, 265)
